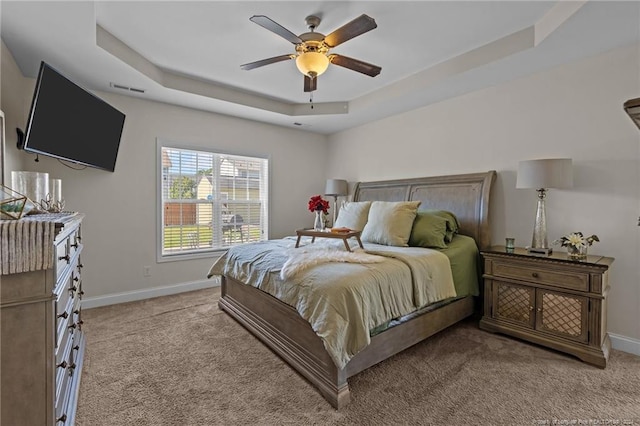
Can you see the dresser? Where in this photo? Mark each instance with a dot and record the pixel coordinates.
(549, 300)
(42, 344)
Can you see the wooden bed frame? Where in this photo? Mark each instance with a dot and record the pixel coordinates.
(282, 329)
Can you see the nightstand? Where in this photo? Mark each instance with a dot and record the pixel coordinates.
(548, 300)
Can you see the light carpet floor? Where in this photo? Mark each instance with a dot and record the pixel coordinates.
(179, 360)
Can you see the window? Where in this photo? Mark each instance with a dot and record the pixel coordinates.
(210, 201)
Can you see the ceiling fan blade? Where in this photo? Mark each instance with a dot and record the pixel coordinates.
(358, 26)
(310, 84)
(263, 62)
(355, 65)
(274, 27)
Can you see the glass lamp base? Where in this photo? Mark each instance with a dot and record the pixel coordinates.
(536, 250)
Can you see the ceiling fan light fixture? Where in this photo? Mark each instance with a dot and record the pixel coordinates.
(312, 64)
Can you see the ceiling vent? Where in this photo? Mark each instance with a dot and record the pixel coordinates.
(632, 106)
(127, 88)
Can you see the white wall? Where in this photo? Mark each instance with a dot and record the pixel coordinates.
(14, 105)
(119, 230)
(571, 111)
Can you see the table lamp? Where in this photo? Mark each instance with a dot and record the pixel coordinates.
(542, 175)
(335, 188)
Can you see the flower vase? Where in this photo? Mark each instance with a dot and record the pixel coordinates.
(318, 223)
(577, 252)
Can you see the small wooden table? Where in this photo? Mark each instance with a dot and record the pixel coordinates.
(344, 236)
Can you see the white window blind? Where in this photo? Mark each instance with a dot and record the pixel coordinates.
(211, 201)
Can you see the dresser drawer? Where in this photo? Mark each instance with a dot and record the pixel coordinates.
(77, 314)
(75, 242)
(62, 326)
(62, 257)
(514, 270)
(64, 310)
(63, 383)
(63, 357)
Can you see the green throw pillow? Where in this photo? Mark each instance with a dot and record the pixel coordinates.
(429, 230)
(452, 222)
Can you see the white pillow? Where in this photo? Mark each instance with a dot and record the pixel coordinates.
(390, 223)
(353, 215)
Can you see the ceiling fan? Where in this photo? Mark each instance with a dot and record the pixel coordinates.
(312, 49)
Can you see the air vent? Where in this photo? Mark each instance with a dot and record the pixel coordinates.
(127, 88)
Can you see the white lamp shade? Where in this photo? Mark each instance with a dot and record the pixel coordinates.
(336, 187)
(548, 173)
(312, 62)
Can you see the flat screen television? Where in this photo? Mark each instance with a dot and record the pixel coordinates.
(70, 123)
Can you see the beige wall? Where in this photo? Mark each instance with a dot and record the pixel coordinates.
(120, 226)
(571, 111)
(14, 104)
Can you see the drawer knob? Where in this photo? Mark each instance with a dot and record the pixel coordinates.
(62, 418)
(75, 246)
(539, 309)
(76, 279)
(63, 364)
(64, 315)
(534, 274)
(73, 288)
(65, 257)
(531, 308)
(73, 326)
(80, 266)
(76, 347)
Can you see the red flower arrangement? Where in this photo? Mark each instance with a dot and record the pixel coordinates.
(316, 203)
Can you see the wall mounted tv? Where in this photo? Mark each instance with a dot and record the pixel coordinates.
(70, 123)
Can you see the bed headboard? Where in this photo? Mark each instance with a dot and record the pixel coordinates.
(467, 196)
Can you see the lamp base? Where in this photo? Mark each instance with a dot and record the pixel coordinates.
(536, 250)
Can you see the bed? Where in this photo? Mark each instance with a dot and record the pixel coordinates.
(287, 333)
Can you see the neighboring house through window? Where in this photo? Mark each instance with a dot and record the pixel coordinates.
(210, 200)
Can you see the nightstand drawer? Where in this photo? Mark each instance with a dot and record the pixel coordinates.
(513, 270)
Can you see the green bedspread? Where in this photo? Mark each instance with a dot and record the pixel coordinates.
(464, 257)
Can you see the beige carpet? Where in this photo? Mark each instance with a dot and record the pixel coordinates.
(179, 360)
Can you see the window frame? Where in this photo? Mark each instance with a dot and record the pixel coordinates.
(202, 253)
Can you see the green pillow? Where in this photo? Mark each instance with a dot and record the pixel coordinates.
(452, 222)
(429, 230)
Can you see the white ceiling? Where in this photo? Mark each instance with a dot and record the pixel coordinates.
(189, 53)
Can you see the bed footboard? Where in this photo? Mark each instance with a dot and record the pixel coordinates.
(282, 329)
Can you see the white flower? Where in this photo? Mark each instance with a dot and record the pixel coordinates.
(576, 240)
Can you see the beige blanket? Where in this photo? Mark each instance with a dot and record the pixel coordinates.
(343, 301)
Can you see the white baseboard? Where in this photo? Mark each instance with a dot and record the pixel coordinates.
(625, 344)
(147, 293)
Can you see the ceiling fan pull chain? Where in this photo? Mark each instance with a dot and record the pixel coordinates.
(311, 99)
